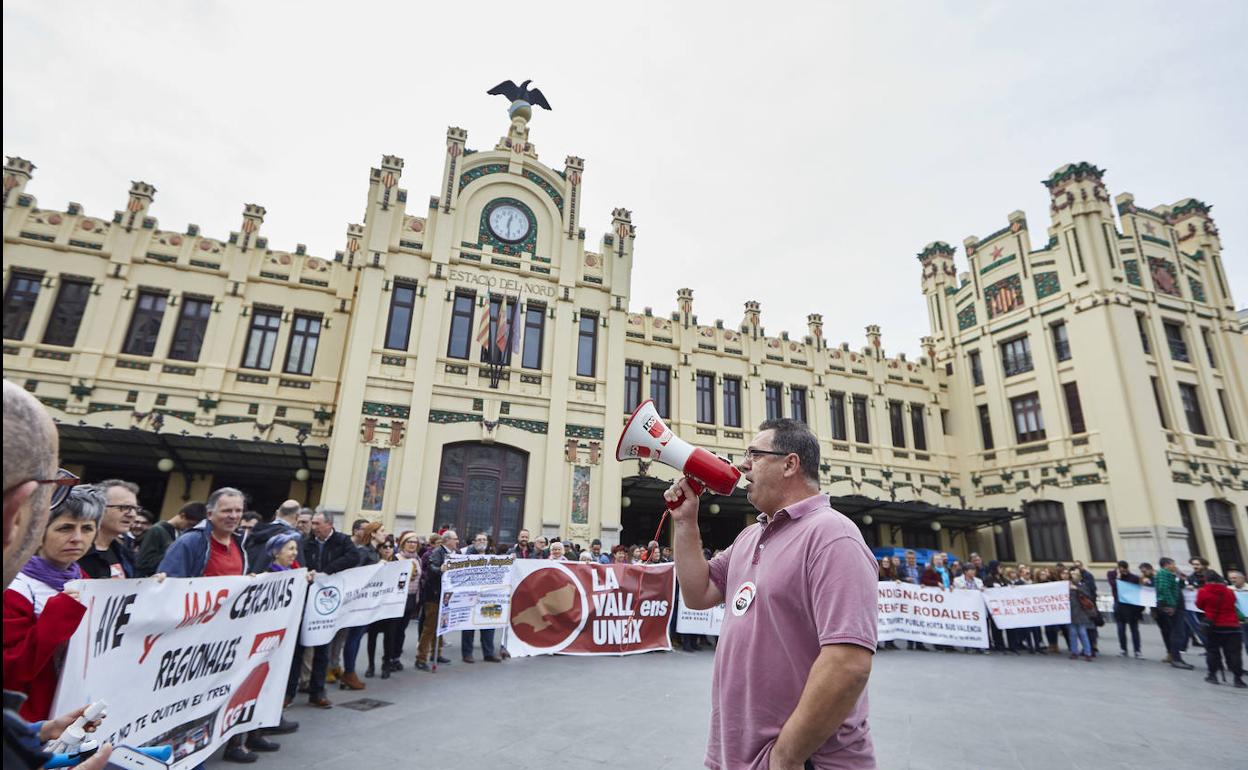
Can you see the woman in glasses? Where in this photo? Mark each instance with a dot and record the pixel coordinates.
(40, 615)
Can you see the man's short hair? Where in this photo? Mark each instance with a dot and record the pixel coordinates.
(1202, 561)
(1144, 565)
(1165, 561)
(594, 542)
(251, 516)
(217, 494)
(194, 512)
(358, 524)
(110, 483)
(85, 503)
(1214, 577)
(793, 437)
(1123, 563)
(149, 515)
(324, 515)
(910, 552)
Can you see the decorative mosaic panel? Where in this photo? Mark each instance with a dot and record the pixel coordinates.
(1198, 289)
(376, 409)
(443, 417)
(480, 171)
(1047, 284)
(375, 478)
(966, 318)
(1132, 269)
(546, 188)
(1003, 296)
(1165, 277)
(583, 431)
(580, 494)
(531, 426)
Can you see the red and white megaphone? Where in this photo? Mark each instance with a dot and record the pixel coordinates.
(647, 437)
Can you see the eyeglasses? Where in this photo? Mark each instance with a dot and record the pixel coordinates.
(63, 482)
(754, 454)
(125, 508)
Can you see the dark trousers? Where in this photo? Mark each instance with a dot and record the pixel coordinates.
(1126, 619)
(398, 631)
(995, 637)
(320, 664)
(1178, 634)
(1224, 643)
(1092, 637)
(466, 640)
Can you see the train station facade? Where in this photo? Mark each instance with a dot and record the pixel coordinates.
(470, 358)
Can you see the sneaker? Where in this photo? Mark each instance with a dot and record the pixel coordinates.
(1182, 664)
(443, 660)
(1122, 654)
(1139, 655)
(1087, 658)
(1239, 683)
(420, 665)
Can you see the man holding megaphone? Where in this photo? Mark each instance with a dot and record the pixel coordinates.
(794, 655)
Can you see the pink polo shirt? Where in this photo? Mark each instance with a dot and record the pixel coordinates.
(804, 580)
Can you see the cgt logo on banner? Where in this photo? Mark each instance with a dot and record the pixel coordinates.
(183, 662)
(354, 597)
(1038, 604)
(931, 615)
(574, 608)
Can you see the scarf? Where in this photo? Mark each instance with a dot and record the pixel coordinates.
(49, 574)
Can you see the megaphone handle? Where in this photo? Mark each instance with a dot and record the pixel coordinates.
(697, 486)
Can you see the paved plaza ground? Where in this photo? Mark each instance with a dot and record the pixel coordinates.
(645, 712)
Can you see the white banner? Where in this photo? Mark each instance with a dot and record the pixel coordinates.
(1038, 604)
(931, 615)
(476, 592)
(185, 662)
(705, 622)
(354, 597)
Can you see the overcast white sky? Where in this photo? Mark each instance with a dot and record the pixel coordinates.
(796, 154)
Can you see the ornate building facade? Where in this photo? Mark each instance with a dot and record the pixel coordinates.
(472, 362)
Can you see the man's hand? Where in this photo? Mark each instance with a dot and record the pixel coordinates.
(51, 729)
(687, 511)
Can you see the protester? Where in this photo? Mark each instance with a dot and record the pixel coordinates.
(523, 549)
(409, 551)
(249, 521)
(1239, 585)
(1082, 609)
(40, 615)
(327, 551)
(264, 528)
(1170, 604)
(143, 521)
(542, 545)
(385, 627)
(1148, 577)
(368, 540)
(288, 512)
(887, 570)
(556, 551)
(111, 555)
(619, 554)
(595, 551)
(432, 598)
(467, 639)
(1224, 636)
(824, 608)
(162, 534)
(994, 577)
(1126, 616)
(303, 523)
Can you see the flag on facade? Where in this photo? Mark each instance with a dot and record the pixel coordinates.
(483, 329)
(515, 325)
(500, 338)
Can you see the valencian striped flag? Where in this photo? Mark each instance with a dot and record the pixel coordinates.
(483, 329)
(500, 336)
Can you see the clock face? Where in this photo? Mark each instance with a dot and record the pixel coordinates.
(509, 223)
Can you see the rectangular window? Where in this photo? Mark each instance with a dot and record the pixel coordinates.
(1074, 409)
(490, 351)
(1100, 536)
(1191, 408)
(1016, 356)
(1142, 325)
(1028, 421)
(1161, 409)
(188, 335)
(262, 339)
(944, 423)
(461, 327)
(977, 368)
(399, 323)
(1061, 341)
(1004, 540)
(862, 431)
(1207, 337)
(917, 429)
(705, 387)
(305, 335)
(534, 331)
(149, 309)
(1047, 532)
(1176, 341)
(897, 424)
(774, 393)
(19, 303)
(985, 427)
(67, 311)
(632, 386)
(661, 390)
(732, 402)
(797, 403)
(1226, 414)
(587, 346)
(1189, 524)
(838, 417)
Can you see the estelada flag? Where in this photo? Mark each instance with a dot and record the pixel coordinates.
(578, 608)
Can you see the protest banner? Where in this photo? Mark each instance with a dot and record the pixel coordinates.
(184, 662)
(354, 597)
(1133, 593)
(579, 608)
(1027, 606)
(931, 615)
(704, 622)
(1241, 601)
(476, 592)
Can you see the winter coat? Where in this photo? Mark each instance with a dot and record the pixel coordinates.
(337, 553)
(38, 622)
(188, 556)
(1080, 616)
(258, 539)
(1217, 601)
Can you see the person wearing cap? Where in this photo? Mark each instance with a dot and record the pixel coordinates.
(595, 551)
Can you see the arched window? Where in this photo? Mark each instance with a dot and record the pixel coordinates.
(481, 489)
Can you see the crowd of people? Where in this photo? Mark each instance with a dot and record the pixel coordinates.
(1214, 622)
